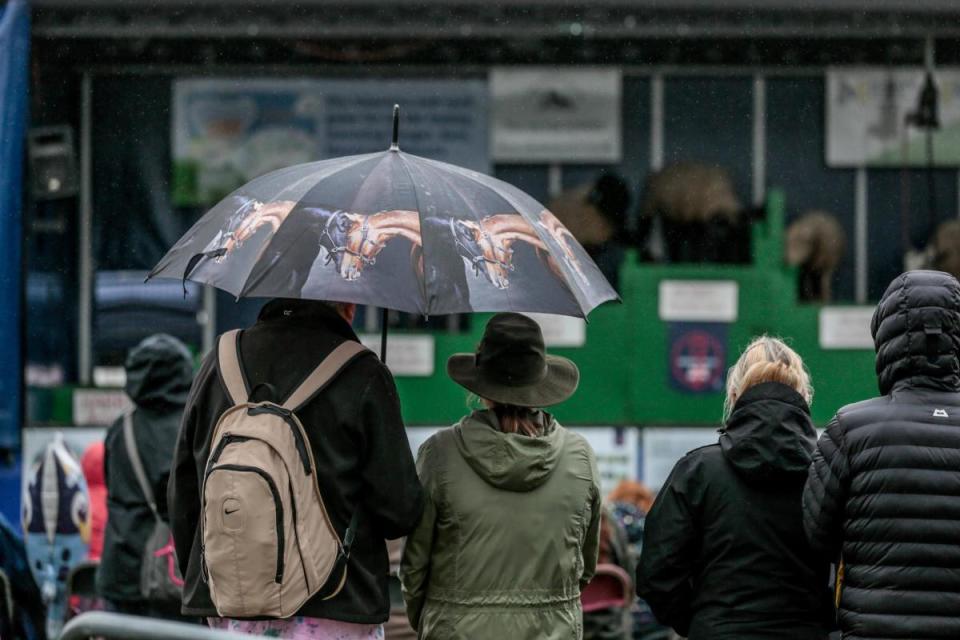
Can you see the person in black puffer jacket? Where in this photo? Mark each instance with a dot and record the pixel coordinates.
(724, 555)
(883, 493)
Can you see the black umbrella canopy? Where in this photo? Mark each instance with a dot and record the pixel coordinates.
(392, 230)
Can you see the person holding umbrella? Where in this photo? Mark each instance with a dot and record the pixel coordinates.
(510, 529)
(362, 460)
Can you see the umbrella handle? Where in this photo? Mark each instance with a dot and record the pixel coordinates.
(383, 334)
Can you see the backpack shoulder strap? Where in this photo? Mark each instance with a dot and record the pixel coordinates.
(228, 364)
(137, 464)
(326, 371)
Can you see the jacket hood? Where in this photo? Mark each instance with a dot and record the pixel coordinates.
(916, 331)
(159, 372)
(507, 460)
(769, 434)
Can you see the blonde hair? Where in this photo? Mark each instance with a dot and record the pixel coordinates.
(766, 359)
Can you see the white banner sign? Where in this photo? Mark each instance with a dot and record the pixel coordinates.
(868, 111)
(76, 439)
(699, 300)
(846, 328)
(556, 115)
(99, 407)
(663, 446)
(227, 131)
(618, 453)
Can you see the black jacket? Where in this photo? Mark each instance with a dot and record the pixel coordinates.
(358, 440)
(884, 490)
(724, 555)
(159, 372)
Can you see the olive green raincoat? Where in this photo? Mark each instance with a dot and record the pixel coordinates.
(509, 534)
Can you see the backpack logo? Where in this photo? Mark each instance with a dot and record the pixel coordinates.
(940, 413)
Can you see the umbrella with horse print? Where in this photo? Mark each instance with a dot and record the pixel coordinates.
(392, 230)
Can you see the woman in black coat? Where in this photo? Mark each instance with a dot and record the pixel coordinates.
(724, 552)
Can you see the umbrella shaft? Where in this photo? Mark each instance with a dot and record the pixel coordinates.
(384, 317)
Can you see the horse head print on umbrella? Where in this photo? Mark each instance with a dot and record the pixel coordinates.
(353, 241)
(391, 230)
(250, 217)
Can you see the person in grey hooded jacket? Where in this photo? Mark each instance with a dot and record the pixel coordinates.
(159, 374)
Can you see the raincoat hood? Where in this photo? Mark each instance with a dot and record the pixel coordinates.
(159, 372)
(509, 461)
(769, 434)
(916, 331)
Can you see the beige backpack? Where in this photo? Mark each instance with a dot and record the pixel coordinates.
(268, 544)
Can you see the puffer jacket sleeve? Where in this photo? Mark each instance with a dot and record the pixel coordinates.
(591, 542)
(825, 493)
(415, 564)
(670, 545)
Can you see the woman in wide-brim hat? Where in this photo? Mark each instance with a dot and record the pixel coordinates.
(509, 534)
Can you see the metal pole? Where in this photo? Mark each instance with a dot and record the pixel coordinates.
(860, 235)
(115, 626)
(929, 62)
(85, 238)
(759, 139)
(209, 318)
(656, 122)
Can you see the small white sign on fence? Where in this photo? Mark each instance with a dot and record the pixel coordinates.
(846, 328)
(699, 300)
(561, 331)
(407, 355)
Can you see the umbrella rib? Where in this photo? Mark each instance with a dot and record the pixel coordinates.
(353, 202)
(423, 253)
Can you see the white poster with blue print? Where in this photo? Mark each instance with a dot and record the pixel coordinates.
(227, 131)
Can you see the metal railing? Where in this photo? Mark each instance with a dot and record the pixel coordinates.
(116, 626)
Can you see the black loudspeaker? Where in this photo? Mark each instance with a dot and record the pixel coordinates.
(53, 164)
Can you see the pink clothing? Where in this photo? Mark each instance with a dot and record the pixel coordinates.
(301, 628)
(93, 471)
